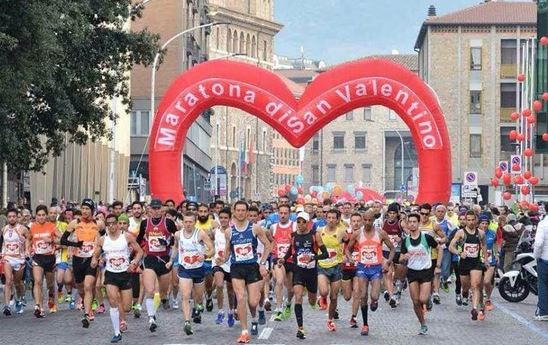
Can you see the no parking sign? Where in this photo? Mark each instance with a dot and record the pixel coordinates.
(503, 165)
(515, 160)
(470, 178)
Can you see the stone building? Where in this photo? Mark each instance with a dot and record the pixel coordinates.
(470, 57)
(249, 38)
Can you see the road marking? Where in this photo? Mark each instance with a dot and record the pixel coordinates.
(272, 317)
(265, 334)
(522, 320)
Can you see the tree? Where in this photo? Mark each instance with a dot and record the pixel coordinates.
(62, 61)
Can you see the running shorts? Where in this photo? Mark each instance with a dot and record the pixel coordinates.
(248, 272)
(122, 280)
(157, 264)
(307, 278)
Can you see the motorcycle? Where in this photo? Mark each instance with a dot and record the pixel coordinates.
(521, 279)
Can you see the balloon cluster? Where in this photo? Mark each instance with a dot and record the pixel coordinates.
(331, 191)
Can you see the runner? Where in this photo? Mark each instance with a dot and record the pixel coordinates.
(455, 261)
(173, 290)
(471, 241)
(492, 258)
(155, 236)
(221, 270)
(304, 246)
(330, 270)
(392, 225)
(416, 252)
(283, 270)
(370, 265)
(63, 263)
(253, 217)
(116, 244)
(207, 224)
(40, 245)
(12, 242)
(138, 289)
(447, 227)
(350, 282)
(241, 243)
(189, 246)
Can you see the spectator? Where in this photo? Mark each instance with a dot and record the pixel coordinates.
(510, 234)
(541, 254)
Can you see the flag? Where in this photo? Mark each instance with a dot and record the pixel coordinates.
(243, 164)
(250, 158)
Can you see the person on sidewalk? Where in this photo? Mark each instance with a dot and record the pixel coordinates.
(541, 254)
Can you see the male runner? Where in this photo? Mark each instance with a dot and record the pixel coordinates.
(392, 225)
(350, 282)
(207, 224)
(138, 290)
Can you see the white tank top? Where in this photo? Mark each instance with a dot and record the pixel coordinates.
(116, 254)
(220, 242)
(14, 243)
(191, 250)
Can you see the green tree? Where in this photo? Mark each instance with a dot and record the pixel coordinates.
(61, 61)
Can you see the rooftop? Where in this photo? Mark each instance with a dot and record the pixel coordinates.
(409, 61)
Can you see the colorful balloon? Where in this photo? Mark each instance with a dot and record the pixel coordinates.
(521, 77)
(514, 116)
(506, 196)
(337, 191)
(526, 112)
(520, 137)
(359, 195)
(498, 172)
(494, 182)
(528, 152)
(513, 135)
(545, 137)
(518, 179)
(299, 179)
(525, 190)
(534, 180)
(506, 179)
(545, 96)
(543, 41)
(516, 167)
(537, 105)
(293, 191)
(527, 175)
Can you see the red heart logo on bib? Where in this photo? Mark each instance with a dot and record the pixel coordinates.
(243, 251)
(117, 262)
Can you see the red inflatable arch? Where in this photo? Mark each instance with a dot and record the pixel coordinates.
(261, 93)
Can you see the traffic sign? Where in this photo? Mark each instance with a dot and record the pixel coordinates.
(470, 178)
(515, 160)
(503, 165)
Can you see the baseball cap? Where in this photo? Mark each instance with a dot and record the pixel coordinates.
(123, 217)
(303, 215)
(511, 217)
(156, 203)
(89, 203)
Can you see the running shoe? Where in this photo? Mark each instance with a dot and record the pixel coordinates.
(458, 299)
(37, 311)
(267, 305)
(7, 311)
(481, 315)
(196, 317)
(489, 305)
(209, 304)
(262, 318)
(300, 333)
(279, 316)
(386, 296)
(188, 328)
(254, 328)
(60, 297)
(165, 304)
(18, 307)
(323, 303)
(51, 305)
(445, 287)
(286, 313)
(72, 305)
(175, 304)
(474, 314)
(465, 301)
(429, 305)
(436, 298)
(68, 298)
(152, 324)
(244, 338)
(331, 327)
(137, 310)
(365, 330)
(541, 318)
(94, 305)
(230, 320)
(91, 316)
(393, 302)
(101, 309)
(116, 338)
(123, 326)
(200, 308)
(220, 318)
(336, 314)
(423, 330)
(85, 321)
(374, 305)
(353, 322)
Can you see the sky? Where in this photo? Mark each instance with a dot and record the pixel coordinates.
(336, 31)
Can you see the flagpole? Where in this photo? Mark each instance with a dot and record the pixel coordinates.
(239, 170)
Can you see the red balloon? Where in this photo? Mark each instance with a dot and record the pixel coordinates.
(514, 116)
(314, 194)
(533, 208)
(300, 200)
(537, 105)
(265, 95)
(545, 137)
(494, 182)
(506, 196)
(534, 180)
(281, 192)
(521, 77)
(520, 137)
(527, 175)
(524, 204)
(531, 119)
(498, 172)
(543, 41)
(513, 135)
(506, 179)
(516, 167)
(287, 188)
(518, 179)
(300, 190)
(524, 190)
(545, 96)
(528, 152)
(526, 112)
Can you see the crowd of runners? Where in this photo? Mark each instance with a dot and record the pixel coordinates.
(244, 259)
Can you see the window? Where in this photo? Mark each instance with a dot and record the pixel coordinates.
(338, 140)
(366, 169)
(315, 175)
(508, 53)
(264, 50)
(505, 144)
(391, 115)
(359, 141)
(350, 116)
(229, 41)
(140, 123)
(264, 140)
(475, 102)
(367, 113)
(217, 39)
(508, 95)
(233, 136)
(475, 58)
(316, 142)
(475, 145)
(331, 172)
(349, 173)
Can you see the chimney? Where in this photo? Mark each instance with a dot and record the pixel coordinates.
(432, 11)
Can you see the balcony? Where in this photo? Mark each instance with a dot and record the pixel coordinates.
(505, 114)
(508, 71)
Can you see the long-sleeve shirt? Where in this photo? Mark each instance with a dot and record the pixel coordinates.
(540, 250)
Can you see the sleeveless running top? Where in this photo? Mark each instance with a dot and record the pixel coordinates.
(394, 232)
(347, 266)
(220, 242)
(282, 239)
(191, 250)
(334, 249)
(43, 237)
(116, 253)
(370, 249)
(490, 239)
(153, 234)
(471, 246)
(303, 246)
(243, 245)
(419, 255)
(86, 232)
(14, 242)
(429, 230)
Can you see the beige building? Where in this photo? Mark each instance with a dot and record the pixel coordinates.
(470, 58)
(363, 146)
(248, 38)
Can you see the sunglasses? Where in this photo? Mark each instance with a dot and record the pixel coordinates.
(192, 209)
(110, 223)
(425, 214)
(300, 221)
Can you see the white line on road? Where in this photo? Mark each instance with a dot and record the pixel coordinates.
(265, 334)
(522, 320)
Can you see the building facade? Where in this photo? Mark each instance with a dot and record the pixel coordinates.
(242, 144)
(169, 18)
(471, 57)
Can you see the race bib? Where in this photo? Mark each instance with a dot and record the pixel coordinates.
(304, 260)
(471, 250)
(154, 245)
(332, 254)
(281, 249)
(243, 252)
(117, 264)
(192, 260)
(490, 255)
(369, 256)
(86, 251)
(395, 239)
(12, 248)
(43, 247)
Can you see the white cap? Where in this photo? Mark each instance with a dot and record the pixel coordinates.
(303, 215)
